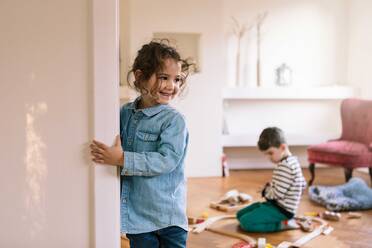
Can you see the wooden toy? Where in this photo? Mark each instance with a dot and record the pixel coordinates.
(207, 225)
(329, 215)
(233, 200)
(354, 215)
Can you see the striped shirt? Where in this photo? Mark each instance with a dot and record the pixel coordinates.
(287, 184)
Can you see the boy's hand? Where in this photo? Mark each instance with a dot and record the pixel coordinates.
(263, 190)
(104, 154)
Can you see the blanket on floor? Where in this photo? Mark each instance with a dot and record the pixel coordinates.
(353, 195)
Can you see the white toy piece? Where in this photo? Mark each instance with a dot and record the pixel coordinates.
(206, 225)
(324, 228)
(243, 197)
(261, 243)
(230, 197)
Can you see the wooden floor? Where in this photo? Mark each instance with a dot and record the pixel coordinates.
(348, 232)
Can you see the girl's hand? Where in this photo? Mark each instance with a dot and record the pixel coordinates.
(104, 154)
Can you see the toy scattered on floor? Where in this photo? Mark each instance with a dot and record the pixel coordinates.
(249, 242)
(354, 215)
(329, 215)
(354, 195)
(323, 228)
(313, 214)
(233, 200)
(207, 225)
(205, 215)
(242, 245)
(284, 244)
(261, 243)
(305, 223)
(193, 221)
(235, 197)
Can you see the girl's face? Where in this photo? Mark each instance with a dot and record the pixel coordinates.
(168, 80)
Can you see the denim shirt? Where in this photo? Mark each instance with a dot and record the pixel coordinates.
(153, 193)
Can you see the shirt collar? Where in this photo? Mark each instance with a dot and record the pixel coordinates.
(151, 111)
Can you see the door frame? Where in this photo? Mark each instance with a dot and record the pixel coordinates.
(106, 106)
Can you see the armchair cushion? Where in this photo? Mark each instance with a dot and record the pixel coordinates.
(341, 152)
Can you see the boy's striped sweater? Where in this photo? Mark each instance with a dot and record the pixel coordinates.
(287, 184)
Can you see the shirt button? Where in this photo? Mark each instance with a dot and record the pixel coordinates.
(124, 200)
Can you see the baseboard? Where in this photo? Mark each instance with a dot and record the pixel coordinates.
(364, 170)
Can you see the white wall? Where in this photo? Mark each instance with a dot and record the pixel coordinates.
(308, 35)
(45, 181)
(201, 104)
(311, 37)
(360, 46)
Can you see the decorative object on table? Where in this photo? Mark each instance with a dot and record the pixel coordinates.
(259, 21)
(283, 75)
(354, 195)
(239, 31)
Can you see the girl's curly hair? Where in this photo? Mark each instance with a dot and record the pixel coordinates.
(150, 59)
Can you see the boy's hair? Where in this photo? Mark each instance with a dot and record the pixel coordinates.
(271, 137)
(150, 59)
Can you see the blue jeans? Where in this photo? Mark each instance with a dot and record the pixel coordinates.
(169, 237)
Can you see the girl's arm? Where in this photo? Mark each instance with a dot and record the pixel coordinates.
(172, 147)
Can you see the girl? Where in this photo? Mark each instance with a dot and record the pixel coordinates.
(151, 151)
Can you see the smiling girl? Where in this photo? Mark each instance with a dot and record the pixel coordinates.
(151, 152)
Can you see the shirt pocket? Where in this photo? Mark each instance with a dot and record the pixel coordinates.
(147, 142)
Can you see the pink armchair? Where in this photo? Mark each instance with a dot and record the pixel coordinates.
(354, 148)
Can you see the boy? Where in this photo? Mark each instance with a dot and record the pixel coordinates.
(282, 194)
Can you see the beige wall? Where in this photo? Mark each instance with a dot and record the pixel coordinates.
(360, 46)
(46, 198)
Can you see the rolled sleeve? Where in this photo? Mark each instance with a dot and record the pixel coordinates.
(128, 164)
